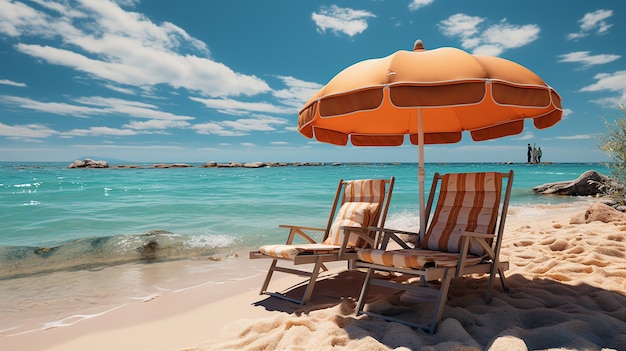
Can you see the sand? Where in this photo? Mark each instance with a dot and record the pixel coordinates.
(567, 292)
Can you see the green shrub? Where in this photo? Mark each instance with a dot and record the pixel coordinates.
(614, 145)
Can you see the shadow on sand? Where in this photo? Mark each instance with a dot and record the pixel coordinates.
(538, 314)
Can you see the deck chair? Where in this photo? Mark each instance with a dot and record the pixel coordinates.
(358, 203)
(463, 237)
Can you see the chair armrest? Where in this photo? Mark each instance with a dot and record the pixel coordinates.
(389, 234)
(478, 235)
(301, 227)
(299, 230)
(480, 238)
(359, 231)
(365, 233)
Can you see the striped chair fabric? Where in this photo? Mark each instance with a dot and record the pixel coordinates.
(291, 251)
(467, 202)
(414, 258)
(361, 207)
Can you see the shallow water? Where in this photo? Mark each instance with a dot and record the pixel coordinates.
(58, 218)
(77, 243)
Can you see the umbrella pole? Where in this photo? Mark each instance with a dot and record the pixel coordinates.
(420, 171)
(421, 174)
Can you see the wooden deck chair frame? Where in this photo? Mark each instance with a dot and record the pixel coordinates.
(318, 257)
(490, 264)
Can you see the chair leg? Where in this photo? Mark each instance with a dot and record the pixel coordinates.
(490, 283)
(312, 281)
(364, 291)
(502, 280)
(443, 296)
(268, 277)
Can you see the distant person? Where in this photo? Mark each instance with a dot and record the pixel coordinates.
(539, 155)
(534, 154)
(529, 153)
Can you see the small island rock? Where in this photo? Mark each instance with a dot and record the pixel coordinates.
(89, 163)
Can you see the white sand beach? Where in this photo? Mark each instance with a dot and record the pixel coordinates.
(567, 292)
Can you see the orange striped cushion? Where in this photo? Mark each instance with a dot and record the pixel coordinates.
(360, 208)
(467, 202)
(291, 251)
(413, 258)
(354, 214)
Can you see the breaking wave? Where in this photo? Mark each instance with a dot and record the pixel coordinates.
(95, 252)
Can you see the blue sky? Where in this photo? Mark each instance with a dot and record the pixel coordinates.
(195, 81)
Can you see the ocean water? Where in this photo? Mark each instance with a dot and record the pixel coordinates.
(80, 242)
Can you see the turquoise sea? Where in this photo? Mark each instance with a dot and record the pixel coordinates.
(105, 225)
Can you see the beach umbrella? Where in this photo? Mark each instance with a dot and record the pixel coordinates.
(433, 96)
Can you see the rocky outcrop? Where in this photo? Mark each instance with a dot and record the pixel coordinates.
(88, 163)
(127, 166)
(599, 212)
(230, 165)
(589, 183)
(173, 165)
(255, 165)
(213, 164)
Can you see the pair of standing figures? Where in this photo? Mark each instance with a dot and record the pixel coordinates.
(534, 154)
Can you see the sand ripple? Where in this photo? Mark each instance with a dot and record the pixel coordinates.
(568, 292)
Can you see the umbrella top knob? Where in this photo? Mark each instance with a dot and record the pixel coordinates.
(418, 46)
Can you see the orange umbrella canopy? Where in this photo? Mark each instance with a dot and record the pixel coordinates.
(376, 102)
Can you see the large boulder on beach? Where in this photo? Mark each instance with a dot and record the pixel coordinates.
(589, 183)
(599, 212)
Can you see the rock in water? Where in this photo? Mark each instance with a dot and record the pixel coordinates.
(589, 183)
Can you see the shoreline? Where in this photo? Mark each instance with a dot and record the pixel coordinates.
(542, 247)
(269, 164)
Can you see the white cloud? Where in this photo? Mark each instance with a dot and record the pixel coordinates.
(248, 144)
(493, 40)
(26, 132)
(341, 20)
(418, 4)
(51, 107)
(260, 123)
(461, 25)
(214, 128)
(613, 82)
(99, 131)
(90, 106)
(234, 107)
(577, 137)
(241, 126)
(17, 18)
(510, 36)
(593, 21)
(567, 112)
(12, 83)
(158, 124)
(126, 48)
(133, 109)
(587, 59)
(297, 91)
